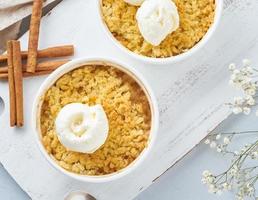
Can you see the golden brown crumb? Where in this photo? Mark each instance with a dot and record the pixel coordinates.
(127, 109)
(196, 16)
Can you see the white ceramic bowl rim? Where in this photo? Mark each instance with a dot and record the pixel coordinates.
(173, 59)
(102, 61)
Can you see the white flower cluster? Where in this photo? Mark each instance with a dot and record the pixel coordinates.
(239, 175)
(233, 178)
(243, 79)
(213, 187)
(246, 190)
(243, 104)
(218, 142)
(234, 171)
(254, 155)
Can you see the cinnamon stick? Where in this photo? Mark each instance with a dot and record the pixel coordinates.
(52, 52)
(34, 35)
(43, 66)
(11, 84)
(17, 68)
(4, 76)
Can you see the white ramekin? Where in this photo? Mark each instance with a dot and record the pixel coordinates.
(169, 60)
(101, 61)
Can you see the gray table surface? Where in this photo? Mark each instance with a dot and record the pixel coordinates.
(180, 182)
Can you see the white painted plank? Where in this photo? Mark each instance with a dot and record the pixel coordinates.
(191, 97)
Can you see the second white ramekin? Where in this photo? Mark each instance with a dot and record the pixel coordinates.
(173, 59)
(96, 61)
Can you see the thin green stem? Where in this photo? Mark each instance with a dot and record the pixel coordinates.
(252, 168)
(255, 70)
(244, 132)
(229, 152)
(249, 149)
(253, 177)
(254, 180)
(236, 161)
(236, 133)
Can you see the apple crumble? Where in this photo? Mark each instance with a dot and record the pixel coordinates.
(127, 110)
(196, 17)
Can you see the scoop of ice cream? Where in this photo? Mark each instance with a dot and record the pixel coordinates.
(156, 19)
(134, 2)
(82, 128)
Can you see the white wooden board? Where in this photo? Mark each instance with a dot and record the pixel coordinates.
(191, 97)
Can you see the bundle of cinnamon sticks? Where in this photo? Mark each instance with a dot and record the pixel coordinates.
(15, 66)
(42, 68)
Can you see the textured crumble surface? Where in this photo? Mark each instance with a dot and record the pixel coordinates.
(196, 16)
(127, 110)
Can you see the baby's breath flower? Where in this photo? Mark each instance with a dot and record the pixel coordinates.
(249, 100)
(246, 62)
(232, 67)
(254, 155)
(236, 72)
(242, 79)
(237, 110)
(213, 145)
(251, 91)
(218, 136)
(210, 179)
(226, 140)
(207, 141)
(234, 170)
(238, 176)
(206, 173)
(226, 186)
(238, 197)
(238, 100)
(203, 180)
(246, 110)
(249, 69)
(219, 149)
(212, 189)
